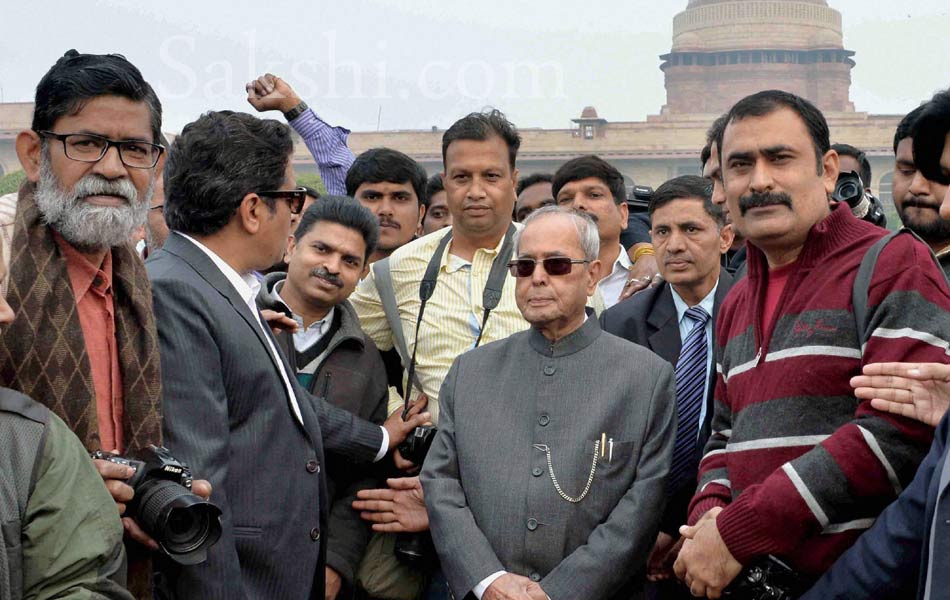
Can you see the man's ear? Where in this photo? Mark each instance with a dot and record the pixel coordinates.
(624, 211)
(252, 213)
(422, 216)
(291, 246)
(365, 270)
(594, 274)
(726, 236)
(29, 148)
(830, 168)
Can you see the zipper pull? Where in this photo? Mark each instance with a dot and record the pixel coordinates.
(759, 357)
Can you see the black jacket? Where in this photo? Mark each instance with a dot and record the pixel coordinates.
(649, 319)
(351, 376)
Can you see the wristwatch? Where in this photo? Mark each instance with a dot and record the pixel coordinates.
(296, 111)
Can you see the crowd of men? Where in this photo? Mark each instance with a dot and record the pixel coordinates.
(478, 383)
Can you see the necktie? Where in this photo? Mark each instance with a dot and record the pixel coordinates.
(691, 378)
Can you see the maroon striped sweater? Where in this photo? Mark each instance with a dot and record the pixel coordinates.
(800, 465)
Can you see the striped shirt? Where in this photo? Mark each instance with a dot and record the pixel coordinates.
(453, 314)
(328, 146)
(799, 464)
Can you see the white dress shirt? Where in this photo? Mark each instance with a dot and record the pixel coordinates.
(305, 337)
(611, 286)
(247, 286)
(686, 325)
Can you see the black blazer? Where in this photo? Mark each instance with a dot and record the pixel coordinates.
(228, 415)
(649, 319)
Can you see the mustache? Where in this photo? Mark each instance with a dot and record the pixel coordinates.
(759, 200)
(915, 202)
(387, 222)
(97, 185)
(326, 275)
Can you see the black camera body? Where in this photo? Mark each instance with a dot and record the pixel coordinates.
(415, 447)
(766, 579)
(639, 199)
(850, 189)
(416, 549)
(183, 524)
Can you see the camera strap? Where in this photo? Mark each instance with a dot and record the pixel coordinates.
(491, 296)
(862, 282)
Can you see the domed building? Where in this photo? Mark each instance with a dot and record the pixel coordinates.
(724, 50)
(721, 51)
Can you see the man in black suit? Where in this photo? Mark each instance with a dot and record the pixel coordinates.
(232, 408)
(675, 320)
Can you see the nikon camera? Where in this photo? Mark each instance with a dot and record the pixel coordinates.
(184, 525)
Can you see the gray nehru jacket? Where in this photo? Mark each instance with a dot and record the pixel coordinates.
(509, 406)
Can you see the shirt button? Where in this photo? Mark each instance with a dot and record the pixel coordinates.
(315, 534)
(313, 466)
(532, 524)
(537, 471)
(535, 577)
(543, 420)
(550, 370)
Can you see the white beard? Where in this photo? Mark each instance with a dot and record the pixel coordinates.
(84, 225)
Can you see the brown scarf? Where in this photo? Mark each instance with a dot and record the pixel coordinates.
(43, 353)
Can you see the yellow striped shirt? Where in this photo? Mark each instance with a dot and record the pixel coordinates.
(453, 314)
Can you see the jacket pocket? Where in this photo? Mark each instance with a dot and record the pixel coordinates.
(246, 532)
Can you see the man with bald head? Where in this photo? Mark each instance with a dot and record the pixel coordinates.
(587, 449)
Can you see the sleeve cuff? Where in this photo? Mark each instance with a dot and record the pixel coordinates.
(482, 586)
(703, 507)
(741, 532)
(384, 448)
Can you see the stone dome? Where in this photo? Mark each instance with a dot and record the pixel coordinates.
(589, 112)
(722, 25)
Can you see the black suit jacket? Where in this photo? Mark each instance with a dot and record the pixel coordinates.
(649, 319)
(227, 414)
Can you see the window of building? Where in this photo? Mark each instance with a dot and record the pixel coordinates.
(588, 132)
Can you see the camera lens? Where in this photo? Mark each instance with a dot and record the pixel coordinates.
(184, 524)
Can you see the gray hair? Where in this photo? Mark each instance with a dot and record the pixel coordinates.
(587, 233)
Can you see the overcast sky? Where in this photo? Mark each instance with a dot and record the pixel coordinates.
(412, 64)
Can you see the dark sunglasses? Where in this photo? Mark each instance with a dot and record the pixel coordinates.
(555, 265)
(295, 197)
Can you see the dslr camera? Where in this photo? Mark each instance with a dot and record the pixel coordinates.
(184, 525)
(416, 445)
(416, 549)
(850, 189)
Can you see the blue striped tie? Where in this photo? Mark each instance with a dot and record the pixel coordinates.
(690, 388)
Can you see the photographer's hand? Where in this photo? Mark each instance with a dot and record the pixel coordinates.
(114, 476)
(399, 509)
(398, 429)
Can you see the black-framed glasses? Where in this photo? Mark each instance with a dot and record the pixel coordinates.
(295, 197)
(553, 265)
(90, 148)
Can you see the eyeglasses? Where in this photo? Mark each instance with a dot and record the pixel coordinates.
(90, 148)
(295, 197)
(555, 265)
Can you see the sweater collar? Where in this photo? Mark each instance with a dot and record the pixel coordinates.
(839, 229)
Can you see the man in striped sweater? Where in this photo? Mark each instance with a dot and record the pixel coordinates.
(797, 467)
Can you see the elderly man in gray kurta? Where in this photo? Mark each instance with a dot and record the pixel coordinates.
(547, 477)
